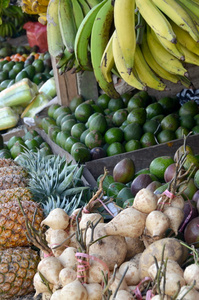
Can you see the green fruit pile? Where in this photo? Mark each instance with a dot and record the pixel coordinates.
(106, 127)
(31, 141)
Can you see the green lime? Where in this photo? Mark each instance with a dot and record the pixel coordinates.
(166, 136)
(12, 74)
(169, 104)
(187, 122)
(4, 75)
(39, 65)
(30, 71)
(151, 126)
(83, 111)
(22, 74)
(46, 122)
(114, 188)
(170, 122)
(196, 119)
(195, 129)
(61, 138)
(31, 144)
(115, 104)
(91, 118)
(81, 154)
(44, 151)
(132, 131)
(83, 135)
(68, 124)
(192, 164)
(53, 130)
(158, 118)
(2, 63)
(145, 97)
(97, 108)
(115, 148)
(93, 139)
(106, 182)
(154, 109)
(67, 117)
(159, 164)
(103, 101)
(18, 67)
(114, 134)
(148, 140)
(7, 67)
(188, 189)
(16, 149)
(52, 108)
(189, 108)
(77, 129)
(132, 145)
(135, 102)
(5, 83)
(98, 123)
(137, 115)
(60, 117)
(126, 97)
(119, 117)
(13, 140)
(69, 143)
(60, 110)
(38, 139)
(181, 132)
(123, 195)
(196, 179)
(38, 78)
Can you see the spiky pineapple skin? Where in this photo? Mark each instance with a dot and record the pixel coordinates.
(12, 222)
(15, 194)
(13, 181)
(13, 170)
(7, 162)
(17, 269)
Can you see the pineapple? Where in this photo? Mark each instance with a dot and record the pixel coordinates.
(7, 162)
(13, 170)
(18, 267)
(15, 194)
(13, 225)
(13, 181)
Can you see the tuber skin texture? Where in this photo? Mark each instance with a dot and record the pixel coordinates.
(68, 259)
(57, 219)
(67, 275)
(157, 223)
(173, 250)
(94, 291)
(191, 273)
(74, 291)
(176, 216)
(50, 267)
(134, 246)
(192, 294)
(171, 267)
(56, 295)
(128, 223)
(92, 217)
(132, 275)
(123, 295)
(145, 201)
(172, 282)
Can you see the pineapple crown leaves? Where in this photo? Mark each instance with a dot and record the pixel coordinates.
(68, 205)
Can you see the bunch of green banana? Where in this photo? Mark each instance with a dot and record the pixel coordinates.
(7, 29)
(63, 18)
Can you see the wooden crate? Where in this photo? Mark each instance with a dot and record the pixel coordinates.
(141, 157)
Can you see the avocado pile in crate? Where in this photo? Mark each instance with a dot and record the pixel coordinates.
(89, 129)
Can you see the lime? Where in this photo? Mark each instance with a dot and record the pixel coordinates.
(93, 139)
(60, 117)
(77, 129)
(13, 140)
(187, 122)
(39, 139)
(126, 97)
(169, 104)
(98, 123)
(132, 131)
(4, 75)
(61, 138)
(46, 122)
(170, 122)
(52, 108)
(158, 118)
(103, 101)
(7, 67)
(188, 189)
(196, 179)
(38, 78)
(22, 74)
(189, 108)
(114, 134)
(60, 110)
(115, 104)
(12, 74)
(16, 149)
(69, 143)
(4, 84)
(18, 67)
(114, 188)
(106, 182)
(115, 148)
(154, 109)
(148, 139)
(76, 146)
(39, 65)
(91, 118)
(83, 135)
(196, 119)
(119, 117)
(97, 108)
(151, 126)
(181, 131)
(44, 151)
(137, 115)
(68, 124)
(134, 102)
(2, 63)
(31, 144)
(158, 166)
(166, 135)
(132, 145)
(145, 97)
(30, 71)
(83, 112)
(192, 164)
(81, 154)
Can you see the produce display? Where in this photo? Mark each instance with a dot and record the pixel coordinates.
(90, 129)
(142, 42)
(87, 245)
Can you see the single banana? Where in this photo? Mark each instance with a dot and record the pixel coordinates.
(54, 38)
(67, 24)
(124, 19)
(131, 78)
(170, 47)
(107, 60)
(77, 12)
(192, 5)
(186, 82)
(156, 19)
(190, 57)
(193, 16)
(92, 3)
(184, 38)
(99, 38)
(36, 7)
(145, 73)
(169, 62)
(43, 2)
(27, 9)
(42, 19)
(179, 15)
(85, 6)
(82, 38)
(154, 65)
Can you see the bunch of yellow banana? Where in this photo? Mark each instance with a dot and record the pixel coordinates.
(63, 20)
(34, 7)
